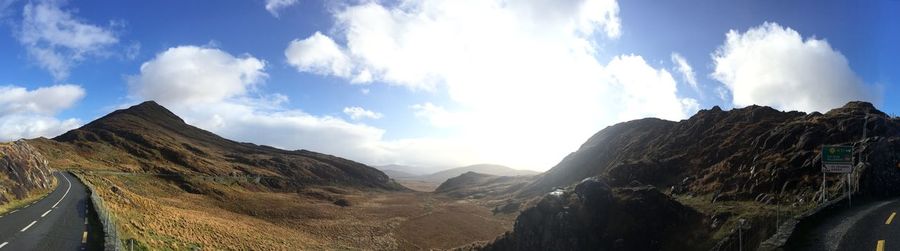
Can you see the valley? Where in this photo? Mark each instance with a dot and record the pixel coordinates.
(158, 214)
(174, 186)
(446, 125)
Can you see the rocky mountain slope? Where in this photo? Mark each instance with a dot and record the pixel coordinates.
(736, 154)
(23, 170)
(753, 163)
(148, 138)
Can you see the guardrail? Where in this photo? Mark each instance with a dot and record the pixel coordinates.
(110, 234)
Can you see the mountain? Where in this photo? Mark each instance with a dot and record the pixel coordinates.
(403, 170)
(751, 163)
(394, 174)
(149, 138)
(23, 171)
(742, 152)
(496, 170)
(479, 185)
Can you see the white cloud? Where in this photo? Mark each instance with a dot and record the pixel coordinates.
(191, 74)
(44, 100)
(30, 113)
(274, 6)
(357, 113)
(220, 97)
(643, 91)
(398, 44)
(515, 72)
(57, 40)
(318, 54)
(687, 72)
(773, 65)
(438, 116)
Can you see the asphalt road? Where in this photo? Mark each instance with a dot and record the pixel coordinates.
(63, 220)
(873, 225)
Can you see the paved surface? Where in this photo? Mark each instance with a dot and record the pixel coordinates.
(874, 225)
(60, 221)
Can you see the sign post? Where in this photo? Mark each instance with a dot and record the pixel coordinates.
(836, 159)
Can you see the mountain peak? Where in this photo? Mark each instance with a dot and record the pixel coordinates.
(857, 107)
(149, 103)
(148, 110)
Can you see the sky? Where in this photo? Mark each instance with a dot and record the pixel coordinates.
(436, 83)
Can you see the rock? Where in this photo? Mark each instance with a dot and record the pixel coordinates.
(342, 202)
(597, 217)
(509, 207)
(22, 170)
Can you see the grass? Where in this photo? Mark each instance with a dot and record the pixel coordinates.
(158, 215)
(752, 211)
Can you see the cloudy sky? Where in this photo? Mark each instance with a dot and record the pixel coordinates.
(436, 83)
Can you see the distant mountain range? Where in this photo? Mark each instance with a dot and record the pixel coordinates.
(444, 175)
(149, 138)
(404, 170)
(489, 169)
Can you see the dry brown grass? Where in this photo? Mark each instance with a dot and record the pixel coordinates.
(160, 216)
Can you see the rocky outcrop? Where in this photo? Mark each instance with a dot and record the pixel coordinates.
(22, 170)
(880, 172)
(595, 216)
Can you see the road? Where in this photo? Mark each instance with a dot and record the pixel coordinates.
(874, 225)
(60, 221)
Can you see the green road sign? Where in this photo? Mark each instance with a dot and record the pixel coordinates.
(837, 155)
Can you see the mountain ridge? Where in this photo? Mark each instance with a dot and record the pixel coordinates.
(149, 138)
(490, 169)
(751, 163)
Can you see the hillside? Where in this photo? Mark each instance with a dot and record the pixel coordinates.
(753, 163)
(741, 153)
(148, 138)
(177, 187)
(404, 170)
(478, 186)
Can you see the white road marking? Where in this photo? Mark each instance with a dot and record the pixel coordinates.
(3, 244)
(29, 225)
(13, 211)
(67, 191)
(45, 213)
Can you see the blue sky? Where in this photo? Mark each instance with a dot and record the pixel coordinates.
(435, 83)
